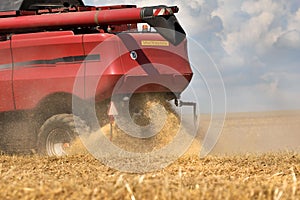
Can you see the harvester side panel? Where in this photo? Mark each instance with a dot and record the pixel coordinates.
(102, 75)
(6, 98)
(45, 65)
(158, 61)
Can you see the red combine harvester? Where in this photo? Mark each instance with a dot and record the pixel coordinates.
(48, 46)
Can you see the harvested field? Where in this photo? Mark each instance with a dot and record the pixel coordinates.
(269, 176)
(256, 157)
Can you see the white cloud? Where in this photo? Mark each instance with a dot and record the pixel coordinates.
(290, 39)
(255, 33)
(195, 4)
(294, 21)
(253, 7)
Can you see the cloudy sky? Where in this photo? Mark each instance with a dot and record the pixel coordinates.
(255, 45)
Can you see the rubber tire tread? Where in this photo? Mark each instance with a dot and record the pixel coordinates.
(65, 121)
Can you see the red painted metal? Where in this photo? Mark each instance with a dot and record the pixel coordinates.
(89, 18)
(8, 13)
(6, 92)
(37, 64)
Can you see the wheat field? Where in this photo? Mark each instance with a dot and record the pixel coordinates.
(256, 157)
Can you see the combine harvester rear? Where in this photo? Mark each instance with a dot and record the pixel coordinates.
(49, 47)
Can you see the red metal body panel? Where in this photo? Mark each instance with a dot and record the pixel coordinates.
(34, 81)
(109, 67)
(6, 94)
(116, 63)
(169, 55)
(162, 65)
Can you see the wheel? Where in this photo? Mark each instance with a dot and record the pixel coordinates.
(58, 136)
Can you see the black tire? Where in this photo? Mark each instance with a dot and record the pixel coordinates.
(58, 133)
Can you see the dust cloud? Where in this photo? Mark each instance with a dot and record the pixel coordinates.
(243, 133)
(259, 132)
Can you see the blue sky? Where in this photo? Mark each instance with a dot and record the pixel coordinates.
(254, 43)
